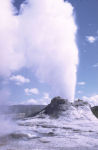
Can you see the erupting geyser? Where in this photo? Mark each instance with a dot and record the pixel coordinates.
(42, 38)
(48, 34)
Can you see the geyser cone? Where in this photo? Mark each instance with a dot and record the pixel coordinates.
(57, 106)
(65, 110)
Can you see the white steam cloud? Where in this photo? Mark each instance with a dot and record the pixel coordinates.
(42, 38)
(10, 58)
(49, 43)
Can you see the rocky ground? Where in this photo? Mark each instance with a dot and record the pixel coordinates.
(59, 126)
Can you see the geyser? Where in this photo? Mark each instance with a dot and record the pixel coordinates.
(42, 38)
(48, 37)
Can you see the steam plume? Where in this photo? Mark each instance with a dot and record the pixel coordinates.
(10, 58)
(42, 38)
(49, 32)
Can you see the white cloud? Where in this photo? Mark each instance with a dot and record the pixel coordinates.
(31, 91)
(11, 59)
(46, 95)
(19, 79)
(31, 102)
(93, 100)
(80, 92)
(81, 83)
(95, 65)
(44, 100)
(91, 39)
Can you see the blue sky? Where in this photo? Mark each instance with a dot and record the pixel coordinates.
(86, 17)
(23, 85)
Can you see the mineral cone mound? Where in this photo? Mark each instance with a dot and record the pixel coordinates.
(63, 109)
(57, 106)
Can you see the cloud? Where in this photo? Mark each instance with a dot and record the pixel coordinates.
(81, 83)
(91, 39)
(44, 100)
(31, 102)
(80, 92)
(31, 91)
(19, 79)
(11, 59)
(95, 65)
(93, 100)
(46, 96)
(36, 102)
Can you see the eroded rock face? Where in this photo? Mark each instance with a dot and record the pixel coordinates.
(80, 103)
(95, 110)
(57, 106)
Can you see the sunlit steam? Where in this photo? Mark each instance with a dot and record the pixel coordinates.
(48, 41)
(42, 38)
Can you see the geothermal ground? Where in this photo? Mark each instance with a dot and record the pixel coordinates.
(59, 126)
